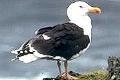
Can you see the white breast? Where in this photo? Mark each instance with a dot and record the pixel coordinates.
(84, 23)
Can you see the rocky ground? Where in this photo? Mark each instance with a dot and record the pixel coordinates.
(111, 73)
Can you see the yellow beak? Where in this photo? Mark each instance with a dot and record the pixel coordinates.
(95, 10)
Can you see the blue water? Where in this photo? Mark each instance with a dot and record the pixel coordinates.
(20, 18)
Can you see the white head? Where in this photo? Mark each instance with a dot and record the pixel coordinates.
(78, 14)
(80, 9)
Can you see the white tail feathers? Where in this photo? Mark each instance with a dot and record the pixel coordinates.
(28, 58)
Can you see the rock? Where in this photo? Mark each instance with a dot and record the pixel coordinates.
(114, 68)
(58, 78)
(51, 79)
(74, 74)
(95, 75)
(112, 72)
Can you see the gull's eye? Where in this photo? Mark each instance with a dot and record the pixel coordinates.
(81, 6)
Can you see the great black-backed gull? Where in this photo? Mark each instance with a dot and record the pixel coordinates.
(62, 42)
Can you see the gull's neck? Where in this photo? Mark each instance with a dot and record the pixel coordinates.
(84, 22)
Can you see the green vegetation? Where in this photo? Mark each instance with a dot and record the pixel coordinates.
(96, 75)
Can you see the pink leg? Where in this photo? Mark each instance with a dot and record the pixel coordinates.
(59, 67)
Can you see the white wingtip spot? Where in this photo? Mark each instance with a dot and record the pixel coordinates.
(14, 51)
(46, 37)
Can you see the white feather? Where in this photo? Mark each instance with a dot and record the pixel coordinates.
(14, 51)
(59, 58)
(28, 58)
(46, 37)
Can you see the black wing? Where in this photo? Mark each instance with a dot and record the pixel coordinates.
(65, 40)
(43, 30)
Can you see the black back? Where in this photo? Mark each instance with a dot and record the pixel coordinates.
(65, 40)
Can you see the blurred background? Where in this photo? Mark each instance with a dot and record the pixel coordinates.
(19, 19)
